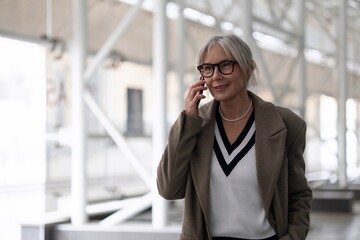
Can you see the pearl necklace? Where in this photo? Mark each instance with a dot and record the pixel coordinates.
(236, 119)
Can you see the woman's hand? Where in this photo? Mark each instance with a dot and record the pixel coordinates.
(193, 97)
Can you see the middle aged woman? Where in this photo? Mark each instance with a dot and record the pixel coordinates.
(237, 160)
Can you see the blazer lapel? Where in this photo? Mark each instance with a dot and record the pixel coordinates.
(270, 142)
(201, 167)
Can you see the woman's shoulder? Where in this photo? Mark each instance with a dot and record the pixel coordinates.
(289, 116)
(270, 109)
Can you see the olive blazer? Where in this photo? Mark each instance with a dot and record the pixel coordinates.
(184, 170)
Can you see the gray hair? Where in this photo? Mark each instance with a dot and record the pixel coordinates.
(234, 47)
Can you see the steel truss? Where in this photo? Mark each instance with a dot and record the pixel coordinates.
(291, 24)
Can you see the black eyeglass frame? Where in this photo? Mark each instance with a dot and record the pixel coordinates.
(200, 67)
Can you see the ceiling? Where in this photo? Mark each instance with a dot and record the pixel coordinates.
(276, 21)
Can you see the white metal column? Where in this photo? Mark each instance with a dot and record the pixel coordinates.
(247, 19)
(342, 93)
(358, 133)
(78, 176)
(49, 18)
(302, 59)
(181, 54)
(159, 133)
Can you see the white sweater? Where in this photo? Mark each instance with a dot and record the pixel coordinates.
(236, 208)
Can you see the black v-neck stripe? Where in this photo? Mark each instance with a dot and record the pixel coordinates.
(227, 168)
(231, 147)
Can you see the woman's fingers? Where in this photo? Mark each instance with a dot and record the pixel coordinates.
(193, 97)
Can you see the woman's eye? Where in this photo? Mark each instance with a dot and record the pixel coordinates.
(207, 68)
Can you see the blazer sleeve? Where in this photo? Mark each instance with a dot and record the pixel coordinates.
(300, 194)
(173, 168)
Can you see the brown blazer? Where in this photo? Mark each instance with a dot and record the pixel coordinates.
(184, 170)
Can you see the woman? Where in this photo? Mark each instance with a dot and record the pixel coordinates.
(237, 160)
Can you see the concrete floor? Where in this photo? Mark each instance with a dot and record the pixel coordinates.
(335, 226)
(324, 226)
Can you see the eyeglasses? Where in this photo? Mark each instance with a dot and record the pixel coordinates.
(225, 67)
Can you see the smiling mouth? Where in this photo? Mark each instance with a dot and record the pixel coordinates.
(221, 87)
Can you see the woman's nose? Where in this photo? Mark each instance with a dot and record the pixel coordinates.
(217, 73)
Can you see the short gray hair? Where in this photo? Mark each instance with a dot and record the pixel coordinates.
(234, 47)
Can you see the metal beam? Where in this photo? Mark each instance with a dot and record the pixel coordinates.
(49, 18)
(302, 60)
(112, 40)
(117, 138)
(78, 176)
(258, 55)
(248, 37)
(135, 207)
(357, 131)
(323, 24)
(181, 53)
(159, 130)
(248, 19)
(342, 93)
(274, 27)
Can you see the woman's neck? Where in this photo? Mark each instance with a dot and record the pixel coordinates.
(236, 107)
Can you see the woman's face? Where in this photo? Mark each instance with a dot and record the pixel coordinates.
(225, 88)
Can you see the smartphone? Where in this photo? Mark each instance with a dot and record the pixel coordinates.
(201, 78)
(201, 91)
